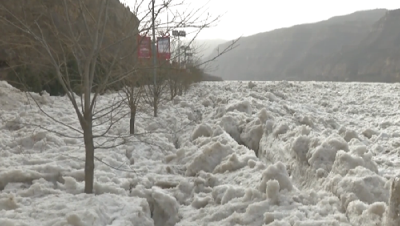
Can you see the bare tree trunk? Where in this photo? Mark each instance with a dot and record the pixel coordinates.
(154, 58)
(180, 90)
(89, 160)
(155, 104)
(171, 87)
(132, 120)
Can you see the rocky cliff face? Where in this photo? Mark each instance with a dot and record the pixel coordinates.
(363, 46)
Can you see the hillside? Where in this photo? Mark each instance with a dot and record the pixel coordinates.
(64, 37)
(58, 23)
(204, 47)
(375, 59)
(355, 47)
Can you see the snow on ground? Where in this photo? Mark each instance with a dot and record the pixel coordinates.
(226, 153)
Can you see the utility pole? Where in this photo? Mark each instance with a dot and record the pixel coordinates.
(179, 34)
(186, 53)
(155, 91)
(179, 52)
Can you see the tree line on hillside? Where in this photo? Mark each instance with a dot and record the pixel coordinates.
(31, 79)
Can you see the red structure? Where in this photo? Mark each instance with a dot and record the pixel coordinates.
(144, 47)
(163, 48)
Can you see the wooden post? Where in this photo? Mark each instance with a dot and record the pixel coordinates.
(393, 214)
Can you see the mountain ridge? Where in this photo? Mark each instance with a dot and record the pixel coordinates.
(316, 51)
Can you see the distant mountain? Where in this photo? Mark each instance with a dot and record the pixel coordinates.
(363, 46)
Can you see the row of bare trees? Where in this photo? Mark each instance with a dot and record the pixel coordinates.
(140, 91)
(90, 46)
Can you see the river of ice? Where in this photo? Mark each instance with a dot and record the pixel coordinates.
(225, 153)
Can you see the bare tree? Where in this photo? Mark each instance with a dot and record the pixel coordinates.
(133, 89)
(97, 37)
(155, 92)
(174, 80)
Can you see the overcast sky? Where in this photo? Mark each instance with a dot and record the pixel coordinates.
(247, 17)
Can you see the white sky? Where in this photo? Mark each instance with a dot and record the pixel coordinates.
(247, 17)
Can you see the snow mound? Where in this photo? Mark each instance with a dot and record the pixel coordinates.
(344, 162)
(233, 162)
(273, 190)
(369, 133)
(8, 202)
(244, 106)
(278, 129)
(166, 208)
(202, 130)
(361, 213)
(304, 120)
(276, 172)
(231, 125)
(201, 201)
(265, 115)
(300, 148)
(42, 99)
(10, 97)
(359, 184)
(82, 210)
(14, 124)
(210, 157)
(324, 155)
(251, 85)
(349, 134)
(225, 193)
(252, 134)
